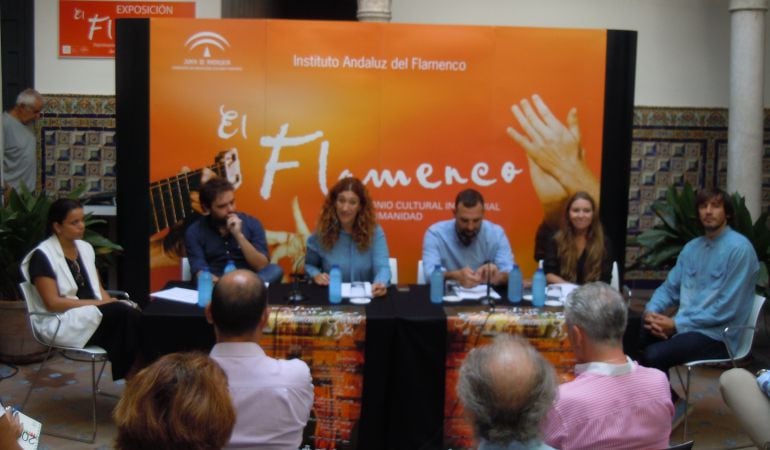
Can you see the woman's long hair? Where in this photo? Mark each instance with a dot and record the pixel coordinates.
(567, 248)
(363, 227)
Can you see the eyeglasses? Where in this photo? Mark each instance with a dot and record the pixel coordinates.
(34, 111)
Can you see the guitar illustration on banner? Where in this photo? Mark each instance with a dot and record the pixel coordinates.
(174, 203)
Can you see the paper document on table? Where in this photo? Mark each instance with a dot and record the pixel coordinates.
(559, 291)
(475, 293)
(178, 294)
(359, 289)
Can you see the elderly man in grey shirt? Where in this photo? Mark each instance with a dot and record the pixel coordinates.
(19, 148)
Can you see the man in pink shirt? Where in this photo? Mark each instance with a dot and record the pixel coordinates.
(272, 397)
(613, 403)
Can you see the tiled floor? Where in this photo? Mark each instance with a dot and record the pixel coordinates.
(63, 402)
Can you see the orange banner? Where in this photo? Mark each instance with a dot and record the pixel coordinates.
(87, 28)
(419, 112)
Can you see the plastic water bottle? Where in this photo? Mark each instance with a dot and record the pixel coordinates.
(763, 379)
(230, 266)
(514, 284)
(437, 285)
(538, 286)
(205, 286)
(335, 285)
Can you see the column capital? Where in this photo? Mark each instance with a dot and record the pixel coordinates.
(751, 5)
(374, 10)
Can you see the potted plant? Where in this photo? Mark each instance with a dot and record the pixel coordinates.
(23, 218)
(679, 224)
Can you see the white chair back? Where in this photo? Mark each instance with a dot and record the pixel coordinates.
(615, 280)
(393, 270)
(420, 273)
(34, 305)
(186, 275)
(747, 331)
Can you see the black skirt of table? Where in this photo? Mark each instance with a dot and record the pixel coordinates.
(405, 350)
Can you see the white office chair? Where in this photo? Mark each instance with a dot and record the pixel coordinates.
(420, 273)
(393, 270)
(744, 347)
(90, 353)
(186, 275)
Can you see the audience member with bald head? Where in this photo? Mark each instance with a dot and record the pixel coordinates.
(272, 397)
(634, 407)
(506, 388)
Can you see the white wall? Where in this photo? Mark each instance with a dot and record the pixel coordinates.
(682, 55)
(80, 76)
(683, 48)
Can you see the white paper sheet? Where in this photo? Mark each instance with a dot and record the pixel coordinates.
(475, 293)
(178, 294)
(362, 289)
(559, 291)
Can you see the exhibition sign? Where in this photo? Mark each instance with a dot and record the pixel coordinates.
(87, 28)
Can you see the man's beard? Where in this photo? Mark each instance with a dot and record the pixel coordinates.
(218, 222)
(466, 237)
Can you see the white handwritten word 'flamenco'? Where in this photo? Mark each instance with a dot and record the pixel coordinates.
(425, 175)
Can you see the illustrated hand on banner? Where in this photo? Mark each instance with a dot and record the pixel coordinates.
(556, 157)
(286, 244)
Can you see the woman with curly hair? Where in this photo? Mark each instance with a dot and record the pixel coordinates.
(348, 236)
(579, 252)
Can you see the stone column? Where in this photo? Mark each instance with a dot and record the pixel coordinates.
(744, 137)
(374, 10)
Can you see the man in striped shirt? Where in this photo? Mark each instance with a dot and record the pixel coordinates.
(613, 403)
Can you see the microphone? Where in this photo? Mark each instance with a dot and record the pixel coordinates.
(488, 299)
(295, 294)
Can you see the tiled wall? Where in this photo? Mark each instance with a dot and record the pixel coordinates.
(77, 144)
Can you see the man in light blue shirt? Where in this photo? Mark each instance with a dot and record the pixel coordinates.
(712, 284)
(470, 249)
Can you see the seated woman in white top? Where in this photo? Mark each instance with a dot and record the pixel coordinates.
(62, 269)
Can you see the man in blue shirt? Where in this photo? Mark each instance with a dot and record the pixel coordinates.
(471, 250)
(223, 234)
(712, 284)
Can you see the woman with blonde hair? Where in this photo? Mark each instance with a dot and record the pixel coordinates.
(348, 236)
(181, 401)
(579, 252)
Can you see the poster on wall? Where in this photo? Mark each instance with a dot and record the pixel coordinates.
(87, 28)
(418, 112)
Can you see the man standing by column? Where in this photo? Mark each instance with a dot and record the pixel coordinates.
(19, 147)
